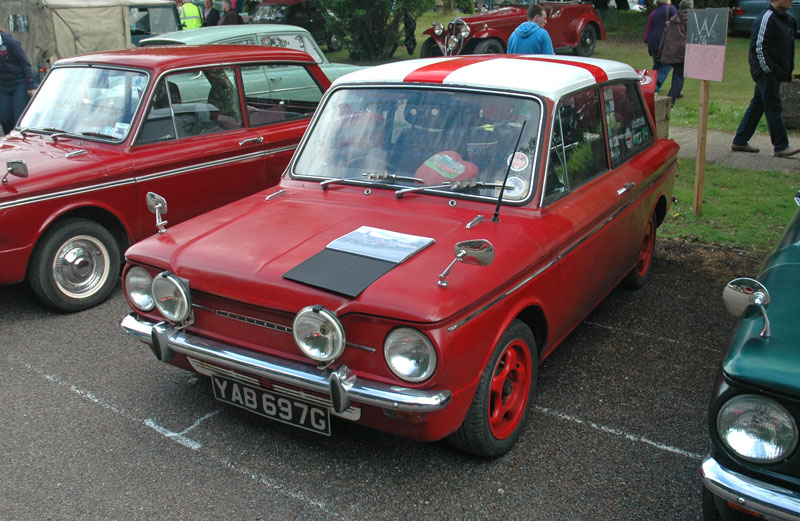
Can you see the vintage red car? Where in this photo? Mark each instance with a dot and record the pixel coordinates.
(571, 25)
(203, 126)
(443, 226)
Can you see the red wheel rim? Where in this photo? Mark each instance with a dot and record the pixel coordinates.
(511, 384)
(646, 252)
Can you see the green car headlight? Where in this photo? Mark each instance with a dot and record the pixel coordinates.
(138, 285)
(409, 354)
(757, 429)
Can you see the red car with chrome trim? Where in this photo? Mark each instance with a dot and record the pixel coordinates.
(443, 226)
(572, 25)
(202, 126)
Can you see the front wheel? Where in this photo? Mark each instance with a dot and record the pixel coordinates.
(489, 47)
(74, 265)
(641, 272)
(429, 49)
(500, 407)
(587, 41)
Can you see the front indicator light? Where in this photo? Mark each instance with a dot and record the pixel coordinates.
(757, 429)
(171, 297)
(409, 354)
(318, 333)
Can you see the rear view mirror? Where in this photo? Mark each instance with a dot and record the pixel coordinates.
(739, 294)
(478, 252)
(16, 167)
(157, 205)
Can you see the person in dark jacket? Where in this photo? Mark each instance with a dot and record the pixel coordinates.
(210, 15)
(652, 36)
(672, 50)
(229, 16)
(771, 58)
(16, 81)
(530, 37)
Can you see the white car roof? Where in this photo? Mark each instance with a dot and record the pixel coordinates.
(545, 75)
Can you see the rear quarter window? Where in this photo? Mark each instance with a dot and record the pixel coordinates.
(629, 129)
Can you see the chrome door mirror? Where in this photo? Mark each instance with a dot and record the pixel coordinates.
(739, 294)
(16, 167)
(157, 205)
(478, 252)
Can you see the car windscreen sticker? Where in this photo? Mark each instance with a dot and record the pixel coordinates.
(351, 263)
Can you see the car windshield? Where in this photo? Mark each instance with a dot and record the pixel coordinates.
(89, 101)
(433, 140)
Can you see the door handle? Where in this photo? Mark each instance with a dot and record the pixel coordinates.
(625, 188)
(257, 140)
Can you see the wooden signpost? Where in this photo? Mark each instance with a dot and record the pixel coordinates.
(706, 36)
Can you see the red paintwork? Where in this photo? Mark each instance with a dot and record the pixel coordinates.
(564, 25)
(189, 194)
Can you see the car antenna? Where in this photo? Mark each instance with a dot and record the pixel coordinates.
(496, 217)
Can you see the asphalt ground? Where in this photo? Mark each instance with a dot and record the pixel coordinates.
(93, 427)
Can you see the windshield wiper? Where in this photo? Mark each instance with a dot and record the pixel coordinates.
(56, 132)
(454, 186)
(400, 193)
(335, 180)
(387, 175)
(96, 134)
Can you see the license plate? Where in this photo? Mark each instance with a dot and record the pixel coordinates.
(272, 405)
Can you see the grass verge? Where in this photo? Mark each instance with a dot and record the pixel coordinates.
(741, 208)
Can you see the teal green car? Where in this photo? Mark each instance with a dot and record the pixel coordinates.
(272, 35)
(753, 468)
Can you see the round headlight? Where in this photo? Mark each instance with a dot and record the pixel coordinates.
(137, 285)
(452, 42)
(409, 354)
(318, 333)
(463, 31)
(171, 297)
(438, 29)
(757, 429)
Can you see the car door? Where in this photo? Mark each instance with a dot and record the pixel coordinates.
(193, 146)
(586, 202)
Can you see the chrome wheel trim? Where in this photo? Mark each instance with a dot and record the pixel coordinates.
(81, 266)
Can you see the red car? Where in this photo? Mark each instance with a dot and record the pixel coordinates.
(571, 25)
(203, 126)
(443, 226)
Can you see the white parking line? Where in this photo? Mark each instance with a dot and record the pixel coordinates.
(654, 338)
(179, 437)
(618, 432)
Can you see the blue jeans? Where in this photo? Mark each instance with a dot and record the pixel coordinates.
(13, 99)
(663, 72)
(766, 101)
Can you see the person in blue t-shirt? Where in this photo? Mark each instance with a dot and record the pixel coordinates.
(16, 81)
(531, 37)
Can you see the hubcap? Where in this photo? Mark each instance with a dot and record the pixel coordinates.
(509, 391)
(80, 266)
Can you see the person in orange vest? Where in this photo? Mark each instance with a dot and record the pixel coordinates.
(189, 15)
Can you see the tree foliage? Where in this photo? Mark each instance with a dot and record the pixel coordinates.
(372, 30)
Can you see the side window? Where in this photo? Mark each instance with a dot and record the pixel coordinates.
(158, 124)
(298, 42)
(577, 148)
(275, 93)
(628, 127)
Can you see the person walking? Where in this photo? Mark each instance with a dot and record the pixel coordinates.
(771, 58)
(210, 14)
(662, 13)
(530, 37)
(229, 16)
(17, 85)
(189, 15)
(672, 49)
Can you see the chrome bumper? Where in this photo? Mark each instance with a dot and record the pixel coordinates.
(341, 385)
(768, 500)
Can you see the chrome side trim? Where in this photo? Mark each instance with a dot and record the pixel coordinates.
(128, 181)
(289, 372)
(569, 249)
(770, 501)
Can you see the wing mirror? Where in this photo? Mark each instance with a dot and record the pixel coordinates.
(157, 205)
(478, 252)
(15, 167)
(739, 294)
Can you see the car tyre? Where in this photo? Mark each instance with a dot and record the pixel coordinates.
(501, 405)
(644, 261)
(429, 49)
(489, 46)
(75, 265)
(335, 43)
(587, 41)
